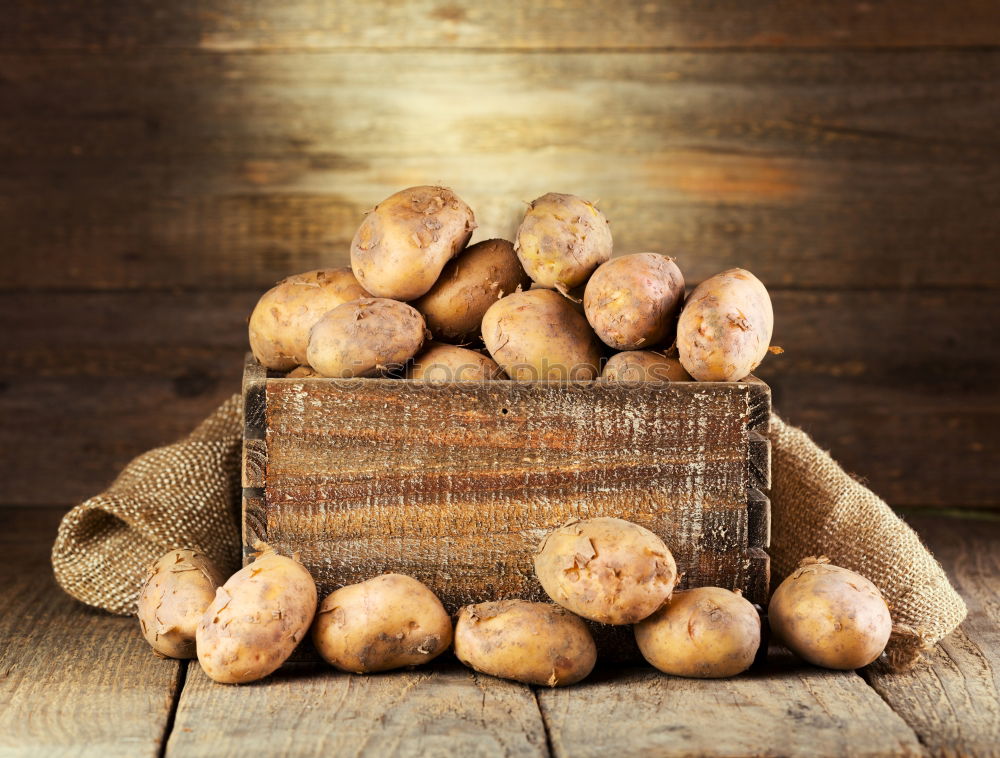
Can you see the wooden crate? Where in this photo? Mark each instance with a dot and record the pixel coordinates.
(456, 484)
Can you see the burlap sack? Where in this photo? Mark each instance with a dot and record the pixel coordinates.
(182, 495)
(818, 509)
(187, 495)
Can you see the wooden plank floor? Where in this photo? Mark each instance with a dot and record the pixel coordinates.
(78, 682)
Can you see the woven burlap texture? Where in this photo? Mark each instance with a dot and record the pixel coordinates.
(818, 509)
(187, 495)
(182, 495)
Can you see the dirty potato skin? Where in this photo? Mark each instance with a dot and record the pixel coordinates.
(643, 366)
(725, 327)
(178, 589)
(469, 284)
(537, 335)
(384, 623)
(442, 363)
(365, 337)
(534, 643)
(632, 302)
(561, 240)
(282, 318)
(606, 569)
(404, 242)
(303, 372)
(830, 616)
(706, 633)
(256, 619)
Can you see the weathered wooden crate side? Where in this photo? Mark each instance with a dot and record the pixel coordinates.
(456, 484)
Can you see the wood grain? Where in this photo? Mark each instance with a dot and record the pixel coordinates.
(782, 709)
(205, 170)
(953, 701)
(310, 710)
(456, 484)
(632, 24)
(73, 681)
(80, 708)
(886, 381)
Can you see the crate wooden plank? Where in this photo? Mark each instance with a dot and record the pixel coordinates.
(221, 25)
(456, 484)
(254, 462)
(254, 406)
(758, 518)
(783, 709)
(759, 460)
(315, 710)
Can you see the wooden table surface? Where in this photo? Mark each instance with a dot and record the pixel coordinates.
(75, 681)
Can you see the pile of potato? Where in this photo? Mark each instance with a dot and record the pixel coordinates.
(418, 302)
(604, 569)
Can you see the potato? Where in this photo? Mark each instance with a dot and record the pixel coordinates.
(256, 619)
(707, 633)
(469, 284)
(448, 363)
(534, 643)
(537, 335)
(303, 372)
(606, 569)
(633, 302)
(561, 240)
(384, 623)
(725, 327)
(282, 318)
(830, 616)
(404, 242)
(644, 366)
(177, 590)
(365, 337)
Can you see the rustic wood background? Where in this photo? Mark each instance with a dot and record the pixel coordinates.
(164, 161)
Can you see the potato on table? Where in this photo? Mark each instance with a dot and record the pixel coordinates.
(384, 623)
(438, 362)
(706, 633)
(405, 241)
(632, 302)
(561, 240)
(537, 335)
(830, 616)
(178, 589)
(606, 569)
(257, 619)
(534, 643)
(725, 327)
(644, 366)
(282, 318)
(366, 337)
(469, 284)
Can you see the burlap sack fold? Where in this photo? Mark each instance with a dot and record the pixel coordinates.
(187, 495)
(183, 495)
(818, 509)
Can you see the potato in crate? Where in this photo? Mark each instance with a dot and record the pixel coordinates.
(455, 484)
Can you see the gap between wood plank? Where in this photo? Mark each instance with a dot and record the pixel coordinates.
(168, 728)
(568, 50)
(172, 289)
(545, 723)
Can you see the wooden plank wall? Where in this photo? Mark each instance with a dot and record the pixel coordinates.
(164, 162)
